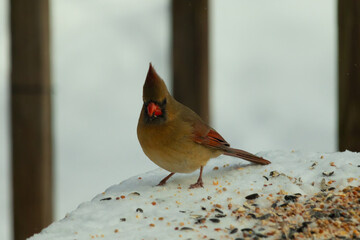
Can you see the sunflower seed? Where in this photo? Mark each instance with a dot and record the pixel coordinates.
(328, 174)
(105, 199)
(291, 198)
(274, 174)
(252, 196)
(265, 216)
(186, 228)
(218, 210)
(214, 220)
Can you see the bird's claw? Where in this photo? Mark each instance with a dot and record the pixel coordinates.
(162, 183)
(196, 185)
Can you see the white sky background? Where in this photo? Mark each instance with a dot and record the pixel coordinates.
(272, 87)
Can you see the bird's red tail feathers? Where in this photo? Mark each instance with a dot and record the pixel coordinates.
(245, 155)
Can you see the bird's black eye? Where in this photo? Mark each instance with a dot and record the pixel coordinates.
(163, 102)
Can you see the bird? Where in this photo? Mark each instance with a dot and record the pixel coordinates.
(176, 138)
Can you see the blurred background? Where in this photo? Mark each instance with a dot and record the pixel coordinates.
(272, 70)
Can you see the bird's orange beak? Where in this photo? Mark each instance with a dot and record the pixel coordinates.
(154, 109)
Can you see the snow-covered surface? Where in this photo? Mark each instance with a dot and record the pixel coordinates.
(137, 209)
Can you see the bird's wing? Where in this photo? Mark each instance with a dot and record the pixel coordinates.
(207, 136)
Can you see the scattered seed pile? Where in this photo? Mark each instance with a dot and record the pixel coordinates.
(299, 196)
(325, 215)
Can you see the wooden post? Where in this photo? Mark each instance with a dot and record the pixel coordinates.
(349, 74)
(190, 57)
(30, 117)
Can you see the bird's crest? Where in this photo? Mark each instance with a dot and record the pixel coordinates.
(154, 87)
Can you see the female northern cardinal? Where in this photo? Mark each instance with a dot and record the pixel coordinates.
(176, 138)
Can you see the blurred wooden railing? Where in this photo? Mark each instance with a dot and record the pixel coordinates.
(30, 117)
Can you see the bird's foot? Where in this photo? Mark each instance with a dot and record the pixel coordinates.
(161, 183)
(197, 184)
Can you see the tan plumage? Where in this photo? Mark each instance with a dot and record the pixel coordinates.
(176, 138)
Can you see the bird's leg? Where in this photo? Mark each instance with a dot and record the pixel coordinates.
(199, 182)
(162, 182)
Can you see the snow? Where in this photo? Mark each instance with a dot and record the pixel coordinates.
(116, 214)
